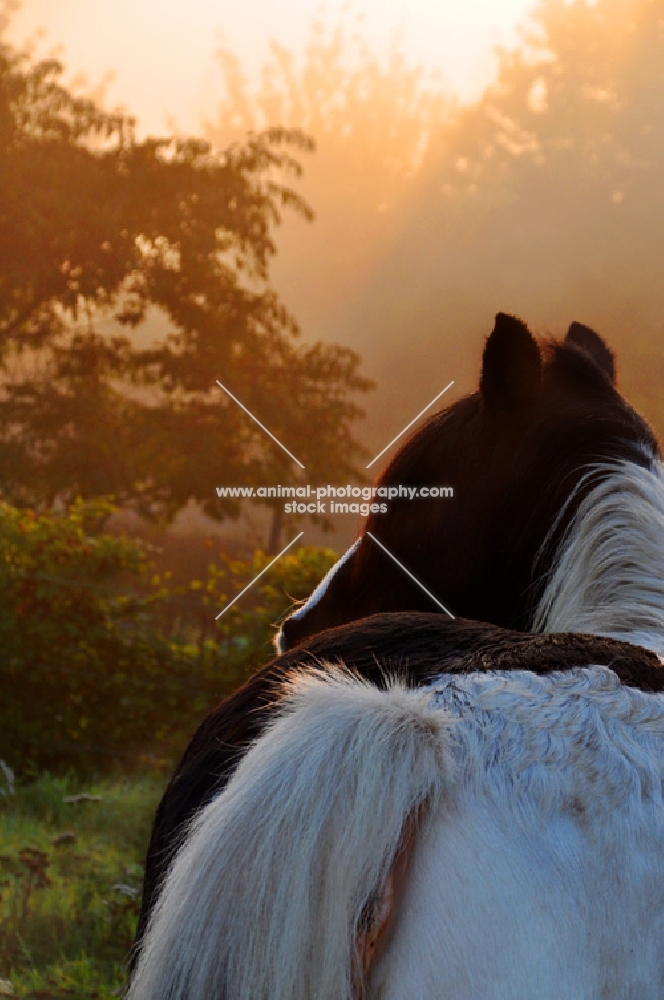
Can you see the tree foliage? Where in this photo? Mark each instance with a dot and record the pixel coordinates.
(547, 193)
(97, 228)
(543, 197)
(373, 117)
(82, 675)
(575, 112)
(89, 681)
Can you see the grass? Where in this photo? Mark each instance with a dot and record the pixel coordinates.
(70, 883)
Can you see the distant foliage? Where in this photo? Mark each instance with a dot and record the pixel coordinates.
(542, 197)
(88, 679)
(373, 117)
(99, 230)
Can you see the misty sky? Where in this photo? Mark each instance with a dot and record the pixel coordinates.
(162, 51)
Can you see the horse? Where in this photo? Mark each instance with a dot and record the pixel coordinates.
(558, 526)
(492, 834)
(557, 519)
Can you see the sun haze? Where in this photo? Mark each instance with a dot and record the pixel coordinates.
(161, 52)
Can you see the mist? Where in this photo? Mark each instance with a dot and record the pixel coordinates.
(543, 198)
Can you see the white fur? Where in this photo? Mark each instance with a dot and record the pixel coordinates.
(316, 594)
(263, 900)
(540, 875)
(609, 572)
(546, 881)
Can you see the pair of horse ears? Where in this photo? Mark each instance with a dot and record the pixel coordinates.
(512, 363)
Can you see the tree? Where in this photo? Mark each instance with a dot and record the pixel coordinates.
(574, 109)
(95, 225)
(373, 118)
(543, 198)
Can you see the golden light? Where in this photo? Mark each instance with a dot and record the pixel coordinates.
(161, 52)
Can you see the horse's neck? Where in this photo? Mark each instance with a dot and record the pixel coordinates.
(608, 575)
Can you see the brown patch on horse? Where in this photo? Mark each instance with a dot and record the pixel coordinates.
(376, 920)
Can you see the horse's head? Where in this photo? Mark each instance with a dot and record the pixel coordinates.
(516, 454)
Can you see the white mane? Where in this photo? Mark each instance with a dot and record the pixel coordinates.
(609, 573)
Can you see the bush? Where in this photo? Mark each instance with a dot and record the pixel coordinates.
(82, 674)
(89, 681)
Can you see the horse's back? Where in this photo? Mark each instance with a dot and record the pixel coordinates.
(489, 913)
(543, 876)
(500, 834)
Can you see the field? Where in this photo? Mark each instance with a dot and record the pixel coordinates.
(71, 859)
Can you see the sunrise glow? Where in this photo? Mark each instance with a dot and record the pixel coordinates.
(157, 56)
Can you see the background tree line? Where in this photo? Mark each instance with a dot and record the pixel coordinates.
(98, 228)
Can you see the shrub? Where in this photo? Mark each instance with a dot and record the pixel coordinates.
(89, 680)
(82, 674)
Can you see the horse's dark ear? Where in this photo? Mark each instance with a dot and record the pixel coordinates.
(591, 342)
(511, 366)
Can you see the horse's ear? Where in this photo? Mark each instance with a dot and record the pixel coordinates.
(511, 366)
(591, 342)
